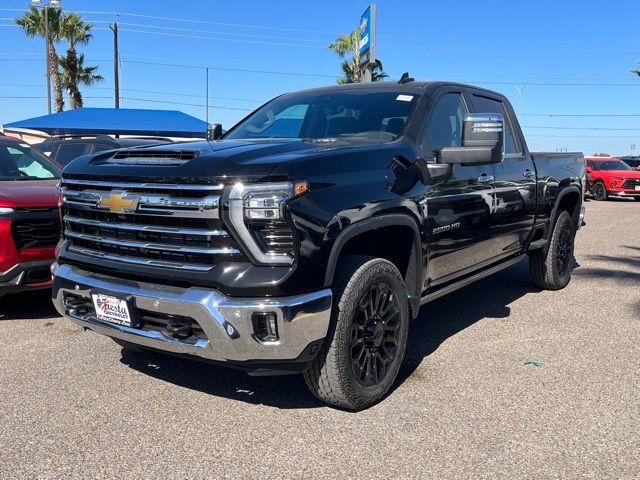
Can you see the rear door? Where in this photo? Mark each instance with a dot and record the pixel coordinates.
(515, 180)
(459, 210)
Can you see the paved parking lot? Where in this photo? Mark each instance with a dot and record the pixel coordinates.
(74, 404)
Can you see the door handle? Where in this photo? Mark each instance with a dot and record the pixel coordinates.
(484, 178)
(527, 173)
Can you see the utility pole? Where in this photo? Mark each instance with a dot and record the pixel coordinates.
(206, 102)
(116, 56)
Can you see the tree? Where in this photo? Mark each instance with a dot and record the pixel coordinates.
(346, 46)
(75, 31)
(85, 76)
(637, 72)
(33, 24)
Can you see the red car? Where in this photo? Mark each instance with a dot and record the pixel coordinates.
(29, 218)
(610, 176)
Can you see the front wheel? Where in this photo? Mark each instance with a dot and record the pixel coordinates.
(551, 269)
(368, 335)
(599, 191)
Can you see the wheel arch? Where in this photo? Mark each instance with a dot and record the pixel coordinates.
(351, 239)
(570, 200)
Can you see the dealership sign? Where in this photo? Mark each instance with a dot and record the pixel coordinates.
(367, 36)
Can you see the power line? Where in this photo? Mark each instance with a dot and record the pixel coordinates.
(183, 103)
(202, 37)
(244, 70)
(584, 128)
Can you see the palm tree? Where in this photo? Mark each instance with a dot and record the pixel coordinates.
(85, 76)
(33, 24)
(75, 31)
(348, 45)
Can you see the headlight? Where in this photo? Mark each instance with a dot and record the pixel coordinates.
(257, 214)
(5, 210)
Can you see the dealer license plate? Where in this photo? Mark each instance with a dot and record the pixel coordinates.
(111, 309)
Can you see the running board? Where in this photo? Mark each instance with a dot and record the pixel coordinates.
(469, 280)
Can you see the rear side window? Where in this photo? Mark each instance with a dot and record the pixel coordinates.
(69, 151)
(445, 125)
(489, 105)
(101, 147)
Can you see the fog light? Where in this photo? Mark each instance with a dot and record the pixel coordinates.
(265, 326)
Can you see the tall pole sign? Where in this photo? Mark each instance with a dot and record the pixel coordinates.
(367, 45)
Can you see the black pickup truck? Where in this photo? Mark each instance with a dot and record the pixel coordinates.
(308, 236)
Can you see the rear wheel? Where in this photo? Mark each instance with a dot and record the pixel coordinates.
(368, 334)
(551, 269)
(637, 199)
(599, 191)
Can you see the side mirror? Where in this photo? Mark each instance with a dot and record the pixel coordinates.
(214, 132)
(482, 141)
(588, 169)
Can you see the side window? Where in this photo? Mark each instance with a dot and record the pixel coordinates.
(101, 147)
(68, 152)
(489, 105)
(445, 124)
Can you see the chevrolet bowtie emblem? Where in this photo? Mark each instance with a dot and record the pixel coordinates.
(118, 203)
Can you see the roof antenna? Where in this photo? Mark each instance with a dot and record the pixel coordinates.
(405, 78)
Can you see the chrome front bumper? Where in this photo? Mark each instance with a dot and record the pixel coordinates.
(226, 322)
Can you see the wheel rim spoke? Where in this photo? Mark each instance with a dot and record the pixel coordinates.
(375, 334)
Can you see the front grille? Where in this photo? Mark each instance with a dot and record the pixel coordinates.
(161, 225)
(631, 183)
(43, 233)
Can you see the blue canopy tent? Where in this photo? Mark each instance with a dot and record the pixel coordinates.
(116, 121)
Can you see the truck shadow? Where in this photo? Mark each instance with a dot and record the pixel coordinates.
(442, 319)
(27, 306)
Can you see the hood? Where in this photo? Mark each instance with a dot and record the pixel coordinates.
(222, 161)
(622, 173)
(28, 193)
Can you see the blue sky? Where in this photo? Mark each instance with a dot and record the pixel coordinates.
(573, 56)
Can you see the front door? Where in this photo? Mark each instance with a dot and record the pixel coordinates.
(458, 220)
(515, 180)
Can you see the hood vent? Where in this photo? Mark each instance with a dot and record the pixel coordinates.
(151, 157)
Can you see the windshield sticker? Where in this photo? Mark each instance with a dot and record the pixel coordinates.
(25, 145)
(404, 98)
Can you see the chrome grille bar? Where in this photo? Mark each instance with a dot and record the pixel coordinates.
(134, 227)
(140, 261)
(151, 246)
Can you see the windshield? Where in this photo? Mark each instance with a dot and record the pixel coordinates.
(611, 165)
(18, 161)
(351, 116)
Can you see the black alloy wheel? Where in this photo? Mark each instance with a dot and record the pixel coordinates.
(599, 191)
(375, 333)
(564, 251)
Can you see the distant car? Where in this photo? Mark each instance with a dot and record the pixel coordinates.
(633, 162)
(65, 149)
(610, 176)
(29, 217)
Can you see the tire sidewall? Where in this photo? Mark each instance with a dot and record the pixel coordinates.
(597, 185)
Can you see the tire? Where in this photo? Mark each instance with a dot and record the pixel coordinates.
(637, 199)
(599, 191)
(551, 268)
(367, 339)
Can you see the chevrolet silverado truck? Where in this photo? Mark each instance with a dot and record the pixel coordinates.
(307, 237)
(29, 217)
